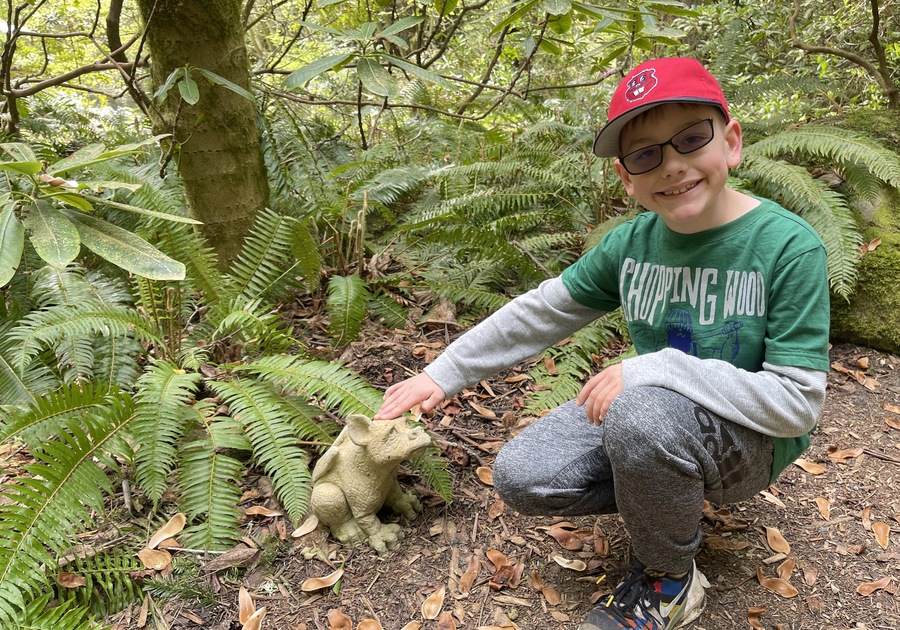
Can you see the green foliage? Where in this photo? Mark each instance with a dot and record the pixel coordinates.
(39, 615)
(108, 584)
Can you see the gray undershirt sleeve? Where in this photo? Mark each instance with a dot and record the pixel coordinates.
(524, 327)
(781, 401)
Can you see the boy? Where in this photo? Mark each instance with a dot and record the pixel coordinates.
(726, 298)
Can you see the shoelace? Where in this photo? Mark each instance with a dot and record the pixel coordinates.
(634, 589)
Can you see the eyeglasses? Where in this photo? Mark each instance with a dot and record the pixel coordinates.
(686, 141)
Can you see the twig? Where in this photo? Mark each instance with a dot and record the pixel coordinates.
(722, 589)
(883, 456)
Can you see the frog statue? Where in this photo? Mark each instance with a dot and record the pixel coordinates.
(357, 475)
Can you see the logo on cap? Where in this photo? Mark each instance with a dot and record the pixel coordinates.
(641, 84)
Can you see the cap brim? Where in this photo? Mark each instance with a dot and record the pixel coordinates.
(606, 143)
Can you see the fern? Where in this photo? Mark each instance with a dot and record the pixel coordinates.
(209, 480)
(348, 299)
(42, 419)
(825, 210)
(332, 385)
(259, 328)
(108, 586)
(261, 270)
(59, 494)
(273, 438)
(431, 466)
(40, 615)
(164, 393)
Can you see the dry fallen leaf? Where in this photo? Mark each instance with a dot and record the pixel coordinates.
(255, 620)
(809, 575)
(786, 569)
(486, 475)
(569, 537)
(311, 522)
(369, 624)
(412, 625)
(315, 583)
(497, 558)
(432, 605)
(891, 408)
(67, 579)
(484, 411)
(866, 520)
(551, 595)
(468, 578)
(841, 456)
(776, 585)
(810, 467)
(729, 544)
(863, 363)
(753, 615)
(824, 506)
(238, 556)
(574, 565)
(169, 530)
(338, 620)
(776, 541)
(496, 509)
(882, 533)
(155, 559)
(892, 422)
(446, 621)
(258, 510)
(246, 607)
(867, 588)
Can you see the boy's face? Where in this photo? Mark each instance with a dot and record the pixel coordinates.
(687, 190)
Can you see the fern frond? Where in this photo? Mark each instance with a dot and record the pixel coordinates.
(332, 385)
(66, 616)
(44, 328)
(274, 440)
(435, 470)
(824, 209)
(108, 584)
(839, 146)
(305, 249)
(260, 327)
(163, 395)
(388, 311)
(209, 480)
(266, 265)
(348, 299)
(48, 412)
(58, 496)
(21, 386)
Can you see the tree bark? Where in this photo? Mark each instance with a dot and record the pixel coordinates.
(218, 143)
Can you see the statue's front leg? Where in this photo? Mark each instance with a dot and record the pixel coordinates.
(381, 536)
(405, 503)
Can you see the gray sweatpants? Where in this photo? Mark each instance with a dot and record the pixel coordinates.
(654, 460)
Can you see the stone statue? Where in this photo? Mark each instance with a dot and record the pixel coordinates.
(357, 475)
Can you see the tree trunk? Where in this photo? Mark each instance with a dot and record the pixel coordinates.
(219, 157)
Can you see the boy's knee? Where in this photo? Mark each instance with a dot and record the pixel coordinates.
(641, 420)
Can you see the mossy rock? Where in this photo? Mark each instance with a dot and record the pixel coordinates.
(872, 315)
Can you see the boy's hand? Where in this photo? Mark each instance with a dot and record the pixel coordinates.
(600, 391)
(403, 396)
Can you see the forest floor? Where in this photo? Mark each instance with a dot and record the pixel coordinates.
(838, 518)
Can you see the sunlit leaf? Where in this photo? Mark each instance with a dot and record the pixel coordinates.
(841, 456)
(337, 620)
(53, 235)
(486, 475)
(259, 510)
(369, 624)
(786, 569)
(310, 524)
(12, 240)
(255, 620)
(301, 76)
(125, 249)
(753, 615)
(375, 78)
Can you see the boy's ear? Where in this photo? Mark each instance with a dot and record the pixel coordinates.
(734, 143)
(625, 176)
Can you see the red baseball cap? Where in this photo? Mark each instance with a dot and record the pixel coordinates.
(652, 83)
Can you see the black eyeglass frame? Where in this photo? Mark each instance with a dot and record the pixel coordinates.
(669, 142)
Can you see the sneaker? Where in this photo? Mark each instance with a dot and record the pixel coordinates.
(646, 600)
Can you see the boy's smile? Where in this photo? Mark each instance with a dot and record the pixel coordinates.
(688, 190)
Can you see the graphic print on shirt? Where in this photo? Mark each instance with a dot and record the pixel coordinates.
(698, 310)
(721, 446)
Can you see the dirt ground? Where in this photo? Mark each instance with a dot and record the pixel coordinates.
(841, 522)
